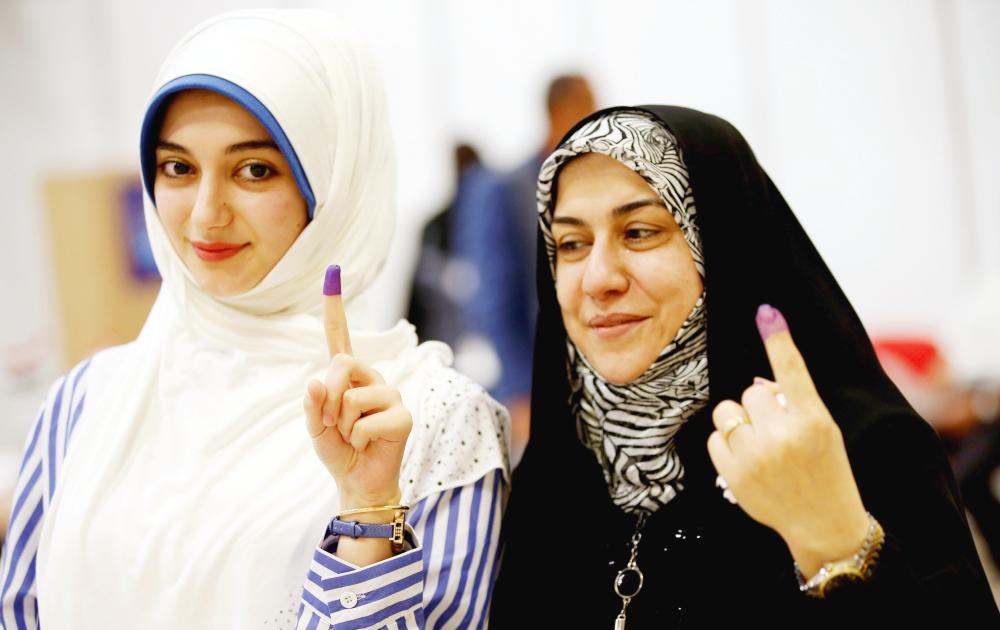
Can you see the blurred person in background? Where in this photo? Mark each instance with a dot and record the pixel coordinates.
(252, 460)
(440, 288)
(668, 481)
(971, 342)
(966, 415)
(444, 283)
(495, 229)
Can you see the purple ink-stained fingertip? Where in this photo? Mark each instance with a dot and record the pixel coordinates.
(331, 286)
(770, 321)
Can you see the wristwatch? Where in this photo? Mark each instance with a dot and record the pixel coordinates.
(857, 568)
(393, 531)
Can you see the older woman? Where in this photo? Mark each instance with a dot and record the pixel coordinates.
(668, 482)
(170, 482)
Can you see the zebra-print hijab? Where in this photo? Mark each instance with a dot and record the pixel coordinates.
(630, 428)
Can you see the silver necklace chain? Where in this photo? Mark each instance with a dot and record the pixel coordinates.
(625, 590)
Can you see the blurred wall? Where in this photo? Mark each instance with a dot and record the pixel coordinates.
(103, 288)
(876, 118)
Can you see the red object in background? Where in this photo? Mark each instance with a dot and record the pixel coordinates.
(920, 371)
(920, 355)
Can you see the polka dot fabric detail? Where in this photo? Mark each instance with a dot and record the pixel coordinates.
(459, 434)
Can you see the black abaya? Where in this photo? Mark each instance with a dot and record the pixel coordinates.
(706, 562)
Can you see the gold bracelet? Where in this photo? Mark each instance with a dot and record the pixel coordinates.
(857, 568)
(378, 508)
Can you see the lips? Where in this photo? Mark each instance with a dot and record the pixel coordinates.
(216, 250)
(615, 324)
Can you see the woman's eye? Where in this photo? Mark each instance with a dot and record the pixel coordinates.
(570, 246)
(639, 234)
(173, 168)
(255, 171)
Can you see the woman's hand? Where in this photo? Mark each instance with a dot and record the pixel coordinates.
(783, 457)
(357, 423)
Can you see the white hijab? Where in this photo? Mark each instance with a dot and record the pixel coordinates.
(190, 496)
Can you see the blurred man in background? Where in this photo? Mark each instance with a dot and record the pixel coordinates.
(440, 288)
(495, 229)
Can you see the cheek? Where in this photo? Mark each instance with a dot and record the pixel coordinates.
(671, 281)
(277, 219)
(570, 296)
(567, 288)
(173, 208)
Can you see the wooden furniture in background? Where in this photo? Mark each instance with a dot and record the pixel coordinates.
(102, 297)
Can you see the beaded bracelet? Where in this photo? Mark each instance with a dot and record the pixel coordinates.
(857, 568)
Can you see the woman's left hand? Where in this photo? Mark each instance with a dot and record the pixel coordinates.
(783, 457)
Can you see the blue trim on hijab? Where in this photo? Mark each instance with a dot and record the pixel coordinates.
(153, 120)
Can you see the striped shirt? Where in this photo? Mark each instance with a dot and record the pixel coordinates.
(444, 581)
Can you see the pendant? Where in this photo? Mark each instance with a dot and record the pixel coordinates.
(628, 581)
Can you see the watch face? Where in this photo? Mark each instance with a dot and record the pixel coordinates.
(839, 576)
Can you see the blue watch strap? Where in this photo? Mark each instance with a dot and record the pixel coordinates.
(361, 530)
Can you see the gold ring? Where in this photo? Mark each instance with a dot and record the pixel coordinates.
(731, 424)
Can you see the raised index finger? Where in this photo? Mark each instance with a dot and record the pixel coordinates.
(786, 362)
(338, 339)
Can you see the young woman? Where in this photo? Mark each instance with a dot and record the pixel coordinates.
(172, 482)
(690, 465)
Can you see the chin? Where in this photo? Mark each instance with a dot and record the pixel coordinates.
(619, 370)
(219, 287)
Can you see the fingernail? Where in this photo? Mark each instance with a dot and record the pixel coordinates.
(770, 321)
(760, 381)
(331, 286)
(328, 420)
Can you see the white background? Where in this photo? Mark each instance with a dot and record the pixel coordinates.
(877, 119)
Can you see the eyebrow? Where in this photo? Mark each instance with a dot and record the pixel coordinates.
(249, 145)
(618, 212)
(171, 146)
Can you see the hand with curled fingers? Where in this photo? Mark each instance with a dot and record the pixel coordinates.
(783, 457)
(357, 423)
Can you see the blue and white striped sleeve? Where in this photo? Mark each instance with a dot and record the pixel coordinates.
(36, 482)
(444, 582)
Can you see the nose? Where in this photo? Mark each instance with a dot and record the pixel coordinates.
(211, 206)
(605, 274)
